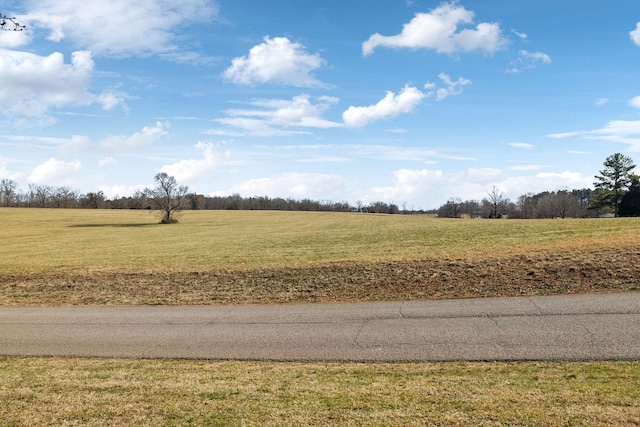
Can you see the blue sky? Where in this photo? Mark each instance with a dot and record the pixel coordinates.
(407, 102)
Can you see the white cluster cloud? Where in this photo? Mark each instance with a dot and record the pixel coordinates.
(527, 60)
(404, 102)
(14, 39)
(118, 27)
(32, 84)
(54, 170)
(389, 106)
(188, 170)
(635, 35)
(278, 117)
(277, 60)
(438, 30)
(635, 102)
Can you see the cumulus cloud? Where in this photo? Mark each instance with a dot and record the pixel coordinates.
(635, 102)
(450, 87)
(295, 185)
(276, 60)
(32, 84)
(410, 184)
(15, 39)
(601, 101)
(623, 131)
(404, 102)
(117, 191)
(635, 35)
(429, 188)
(118, 27)
(389, 106)
(527, 60)
(189, 169)
(55, 172)
(439, 30)
(278, 117)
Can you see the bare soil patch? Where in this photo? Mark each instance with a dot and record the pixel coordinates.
(540, 273)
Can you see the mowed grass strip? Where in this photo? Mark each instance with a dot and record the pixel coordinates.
(112, 257)
(143, 392)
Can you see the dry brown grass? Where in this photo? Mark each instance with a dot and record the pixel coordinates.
(115, 392)
(594, 270)
(61, 257)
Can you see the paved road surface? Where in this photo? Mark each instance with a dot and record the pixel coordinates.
(585, 327)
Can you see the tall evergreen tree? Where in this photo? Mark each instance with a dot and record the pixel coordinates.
(613, 182)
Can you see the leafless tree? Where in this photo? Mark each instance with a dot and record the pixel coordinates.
(167, 196)
(8, 192)
(496, 202)
(10, 24)
(527, 205)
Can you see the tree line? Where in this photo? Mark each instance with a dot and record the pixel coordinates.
(45, 196)
(616, 192)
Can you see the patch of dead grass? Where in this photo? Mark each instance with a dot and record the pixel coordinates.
(143, 392)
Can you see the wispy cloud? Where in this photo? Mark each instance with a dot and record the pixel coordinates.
(527, 60)
(522, 145)
(622, 131)
(277, 117)
(119, 144)
(450, 87)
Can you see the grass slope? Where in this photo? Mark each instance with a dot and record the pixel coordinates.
(109, 257)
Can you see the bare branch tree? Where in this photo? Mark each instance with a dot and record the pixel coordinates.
(6, 23)
(496, 202)
(168, 197)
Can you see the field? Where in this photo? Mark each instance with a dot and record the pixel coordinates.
(65, 257)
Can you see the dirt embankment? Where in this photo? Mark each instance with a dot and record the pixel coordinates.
(486, 276)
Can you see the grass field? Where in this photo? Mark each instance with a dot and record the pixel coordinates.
(62, 257)
(114, 257)
(143, 392)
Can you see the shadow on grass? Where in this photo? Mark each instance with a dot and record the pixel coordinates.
(148, 224)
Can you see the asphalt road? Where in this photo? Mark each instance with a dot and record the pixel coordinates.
(582, 327)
